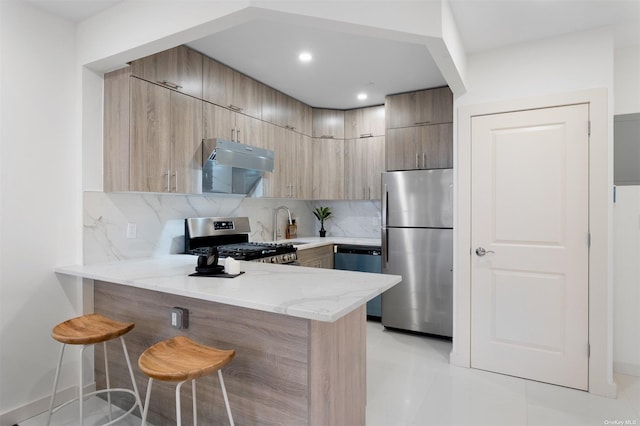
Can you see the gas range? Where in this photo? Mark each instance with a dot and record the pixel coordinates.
(230, 236)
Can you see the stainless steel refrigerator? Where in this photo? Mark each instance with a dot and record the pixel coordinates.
(417, 243)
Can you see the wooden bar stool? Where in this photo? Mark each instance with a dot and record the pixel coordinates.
(89, 330)
(180, 359)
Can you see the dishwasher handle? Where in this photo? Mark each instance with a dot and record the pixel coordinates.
(357, 249)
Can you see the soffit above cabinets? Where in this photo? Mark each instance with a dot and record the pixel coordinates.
(343, 65)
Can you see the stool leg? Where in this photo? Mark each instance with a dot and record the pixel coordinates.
(133, 379)
(195, 405)
(178, 409)
(226, 399)
(106, 372)
(81, 385)
(55, 386)
(146, 403)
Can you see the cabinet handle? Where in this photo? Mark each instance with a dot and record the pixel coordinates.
(170, 84)
(168, 175)
(286, 126)
(424, 160)
(366, 135)
(233, 134)
(175, 180)
(417, 161)
(327, 137)
(422, 123)
(238, 135)
(235, 108)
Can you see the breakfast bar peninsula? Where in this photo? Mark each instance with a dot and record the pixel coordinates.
(299, 335)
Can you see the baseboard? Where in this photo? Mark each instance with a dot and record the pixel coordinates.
(626, 368)
(34, 408)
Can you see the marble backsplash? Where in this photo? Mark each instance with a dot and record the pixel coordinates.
(159, 220)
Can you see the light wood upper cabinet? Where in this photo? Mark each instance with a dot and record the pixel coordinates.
(328, 169)
(165, 137)
(223, 123)
(363, 164)
(116, 155)
(328, 123)
(364, 122)
(186, 141)
(179, 69)
(292, 176)
(285, 111)
(420, 108)
(420, 147)
(231, 89)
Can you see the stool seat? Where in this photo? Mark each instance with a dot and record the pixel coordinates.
(180, 358)
(89, 329)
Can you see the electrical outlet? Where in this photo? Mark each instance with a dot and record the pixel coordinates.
(179, 317)
(131, 230)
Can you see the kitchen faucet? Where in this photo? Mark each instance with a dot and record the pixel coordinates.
(275, 220)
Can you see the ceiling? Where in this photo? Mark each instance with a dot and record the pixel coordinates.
(345, 64)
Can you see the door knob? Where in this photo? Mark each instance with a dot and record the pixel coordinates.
(481, 251)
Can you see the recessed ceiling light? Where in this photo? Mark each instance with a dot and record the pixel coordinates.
(362, 96)
(305, 57)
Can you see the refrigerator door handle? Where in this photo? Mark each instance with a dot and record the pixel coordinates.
(385, 205)
(385, 248)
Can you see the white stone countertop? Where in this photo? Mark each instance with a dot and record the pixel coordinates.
(311, 293)
(302, 243)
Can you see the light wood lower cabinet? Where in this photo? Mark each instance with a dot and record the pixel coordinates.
(420, 147)
(328, 169)
(317, 257)
(363, 165)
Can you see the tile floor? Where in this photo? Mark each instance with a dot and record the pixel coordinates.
(410, 382)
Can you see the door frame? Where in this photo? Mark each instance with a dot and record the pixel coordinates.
(600, 227)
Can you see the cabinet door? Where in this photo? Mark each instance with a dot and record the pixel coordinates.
(218, 122)
(436, 145)
(217, 86)
(179, 68)
(186, 141)
(400, 110)
(375, 152)
(363, 122)
(246, 95)
(276, 184)
(328, 123)
(402, 148)
(419, 108)
(328, 169)
(355, 169)
(433, 106)
(150, 137)
(249, 130)
(302, 167)
(364, 162)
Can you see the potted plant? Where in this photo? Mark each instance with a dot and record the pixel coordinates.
(322, 213)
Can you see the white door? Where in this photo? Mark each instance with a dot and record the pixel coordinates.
(529, 292)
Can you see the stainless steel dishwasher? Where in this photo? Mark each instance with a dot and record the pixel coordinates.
(363, 259)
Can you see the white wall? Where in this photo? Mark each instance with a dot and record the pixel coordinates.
(40, 210)
(626, 238)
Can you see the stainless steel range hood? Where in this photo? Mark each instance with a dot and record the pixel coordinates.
(233, 168)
